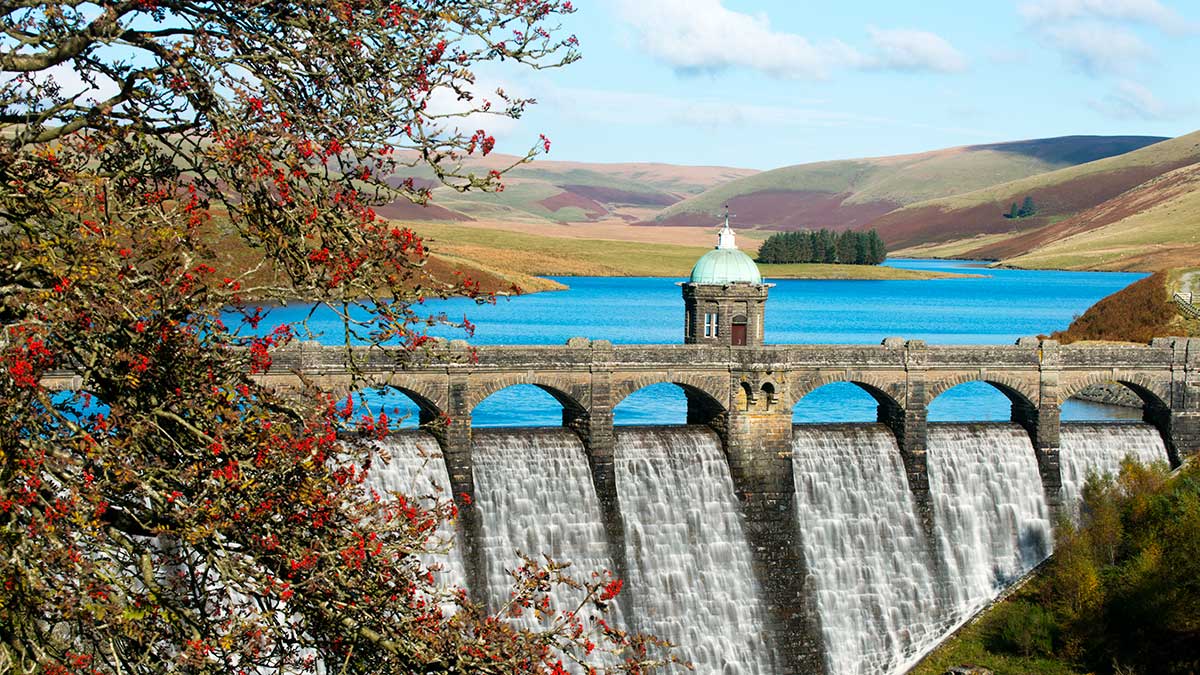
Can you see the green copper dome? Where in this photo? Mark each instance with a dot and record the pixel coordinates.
(725, 266)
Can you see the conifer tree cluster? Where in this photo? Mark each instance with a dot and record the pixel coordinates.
(1025, 210)
(823, 246)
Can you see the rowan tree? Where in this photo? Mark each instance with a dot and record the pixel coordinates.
(167, 168)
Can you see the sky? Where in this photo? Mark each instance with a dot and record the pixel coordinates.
(769, 83)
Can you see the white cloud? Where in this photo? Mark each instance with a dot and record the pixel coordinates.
(1135, 101)
(614, 108)
(902, 49)
(1099, 48)
(702, 35)
(1151, 12)
(695, 36)
(445, 104)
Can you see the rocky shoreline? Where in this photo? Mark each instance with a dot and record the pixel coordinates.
(1110, 393)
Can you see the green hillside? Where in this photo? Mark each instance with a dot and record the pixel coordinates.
(1059, 195)
(869, 188)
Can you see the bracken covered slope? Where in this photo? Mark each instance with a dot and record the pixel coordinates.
(1153, 226)
(855, 193)
(1059, 195)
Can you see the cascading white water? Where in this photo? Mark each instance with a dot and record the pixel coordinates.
(535, 494)
(415, 469)
(884, 594)
(691, 577)
(880, 605)
(1100, 448)
(990, 508)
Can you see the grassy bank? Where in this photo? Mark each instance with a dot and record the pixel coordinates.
(969, 648)
(234, 258)
(536, 255)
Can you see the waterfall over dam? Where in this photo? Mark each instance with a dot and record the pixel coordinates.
(688, 554)
(886, 582)
(993, 523)
(535, 494)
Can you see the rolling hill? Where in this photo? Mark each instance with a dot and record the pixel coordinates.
(1103, 202)
(1153, 226)
(855, 193)
(1070, 200)
(565, 192)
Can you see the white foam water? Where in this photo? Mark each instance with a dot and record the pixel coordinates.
(415, 469)
(990, 509)
(1100, 449)
(535, 494)
(690, 567)
(872, 567)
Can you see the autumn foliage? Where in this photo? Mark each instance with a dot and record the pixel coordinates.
(171, 514)
(1120, 594)
(1137, 313)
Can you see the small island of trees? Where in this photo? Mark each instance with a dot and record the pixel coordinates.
(823, 246)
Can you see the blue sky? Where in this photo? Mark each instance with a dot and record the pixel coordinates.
(767, 83)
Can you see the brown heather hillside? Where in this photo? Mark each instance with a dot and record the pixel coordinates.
(1059, 196)
(1158, 191)
(1155, 226)
(550, 191)
(935, 223)
(1137, 313)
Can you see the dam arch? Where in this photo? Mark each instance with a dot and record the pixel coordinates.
(1020, 394)
(706, 396)
(430, 413)
(1155, 399)
(888, 398)
(573, 395)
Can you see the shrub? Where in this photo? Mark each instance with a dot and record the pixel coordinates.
(1022, 628)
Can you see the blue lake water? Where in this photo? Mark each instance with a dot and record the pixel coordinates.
(996, 308)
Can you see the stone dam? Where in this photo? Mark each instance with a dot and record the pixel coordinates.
(757, 545)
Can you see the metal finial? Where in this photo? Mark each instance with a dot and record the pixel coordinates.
(725, 238)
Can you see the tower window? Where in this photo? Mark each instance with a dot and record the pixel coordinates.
(711, 327)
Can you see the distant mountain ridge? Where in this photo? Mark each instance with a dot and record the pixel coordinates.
(1102, 202)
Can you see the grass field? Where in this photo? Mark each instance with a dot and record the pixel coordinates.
(540, 255)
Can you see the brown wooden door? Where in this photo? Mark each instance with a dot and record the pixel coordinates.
(739, 334)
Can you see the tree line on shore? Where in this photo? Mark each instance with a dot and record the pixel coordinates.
(823, 246)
